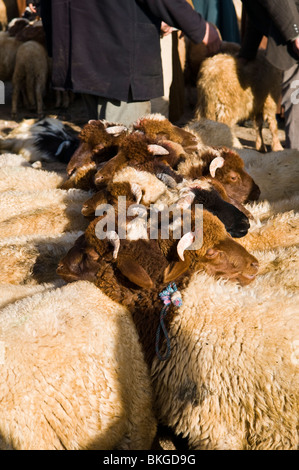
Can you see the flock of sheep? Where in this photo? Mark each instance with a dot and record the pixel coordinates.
(80, 363)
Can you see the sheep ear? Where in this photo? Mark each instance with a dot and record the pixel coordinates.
(175, 270)
(135, 273)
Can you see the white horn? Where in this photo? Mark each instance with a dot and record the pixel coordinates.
(113, 238)
(167, 179)
(115, 130)
(157, 149)
(185, 201)
(184, 243)
(218, 162)
(137, 192)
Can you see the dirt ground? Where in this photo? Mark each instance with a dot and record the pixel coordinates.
(76, 117)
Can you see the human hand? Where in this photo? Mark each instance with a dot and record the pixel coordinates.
(296, 46)
(212, 39)
(165, 29)
(32, 7)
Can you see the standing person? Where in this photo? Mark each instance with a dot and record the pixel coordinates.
(222, 14)
(109, 50)
(279, 21)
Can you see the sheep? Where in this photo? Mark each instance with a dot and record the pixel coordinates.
(194, 159)
(277, 175)
(280, 230)
(31, 73)
(280, 266)
(47, 139)
(16, 203)
(70, 382)
(8, 51)
(16, 25)
(12, 292)
(213, 133)
(98, 142)
(33, 259)
(21, 178)
(243, 91)
(52, 220)
(11, 159)
(227, 167)
(91, 258)
(32, 32)
(236, 388)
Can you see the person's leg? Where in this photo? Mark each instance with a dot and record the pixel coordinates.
(290, 102)
(91, 104)
(121, 112)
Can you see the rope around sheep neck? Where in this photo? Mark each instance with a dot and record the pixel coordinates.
(169, 296)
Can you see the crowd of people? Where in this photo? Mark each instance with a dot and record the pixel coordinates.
(109, 51)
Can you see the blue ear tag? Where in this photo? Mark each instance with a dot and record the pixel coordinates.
(169, 296)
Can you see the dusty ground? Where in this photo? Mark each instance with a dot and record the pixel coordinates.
(76, 116)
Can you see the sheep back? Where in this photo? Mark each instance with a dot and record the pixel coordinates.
(75, 377)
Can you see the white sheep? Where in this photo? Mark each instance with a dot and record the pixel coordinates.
(213, 133)
(26, 178)
(277, 175)
(231, 381)
(52, 220)
(33, 259)
(30, 73)
(10, 293)
(15, 203)
(75, 376)
(11, 159)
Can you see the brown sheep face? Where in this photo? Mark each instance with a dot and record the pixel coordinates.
(228, 168)
(226, 259)
(80, 263)
(239, 185)
(231, 261)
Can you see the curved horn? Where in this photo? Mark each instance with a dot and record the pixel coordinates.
(185, 201)
(136, 191)
(157, 149)
(184, 243)
(218, 162)
(115, 130)
(167, 179)
(113, 238)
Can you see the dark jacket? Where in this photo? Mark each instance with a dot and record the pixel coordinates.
(111, 48)
(279, 21)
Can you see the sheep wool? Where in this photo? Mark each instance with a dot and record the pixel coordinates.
(231, 381)
(20, 178)
(75, 377)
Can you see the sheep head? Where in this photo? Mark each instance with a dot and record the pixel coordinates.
(228, 168)
(219, 255)
(140, 152)
(158, 127)
(99, 141)
(202, 191)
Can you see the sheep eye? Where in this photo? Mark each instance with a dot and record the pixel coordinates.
(234, 178)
